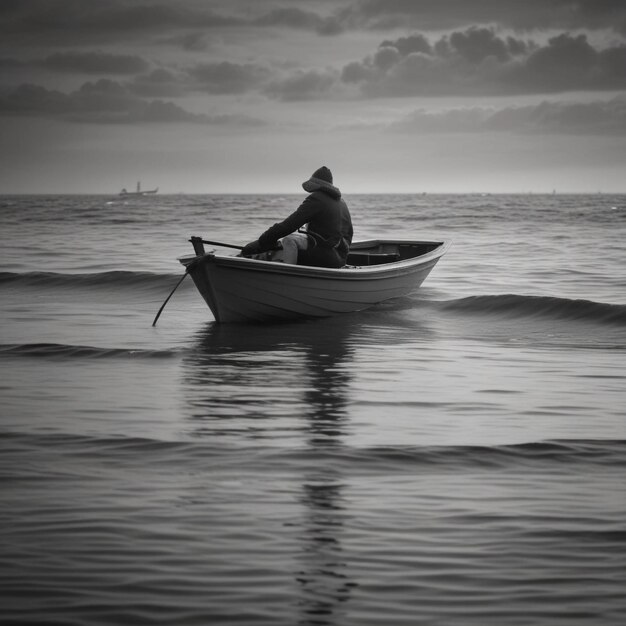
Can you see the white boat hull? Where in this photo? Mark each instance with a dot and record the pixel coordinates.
(138, 194)
(247, 290)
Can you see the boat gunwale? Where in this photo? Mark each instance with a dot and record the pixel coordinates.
(346, 272)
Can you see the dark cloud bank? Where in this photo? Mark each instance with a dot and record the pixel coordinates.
(473, 62)
(515, 14)
(478, 61)
(107, 102)
(84, 21)
(95, 63)
(469, 61)
(591, 118)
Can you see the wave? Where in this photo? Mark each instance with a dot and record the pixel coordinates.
(559, 309)
(595, 452)
(503, 305)
(61, 351)
(119, 278)
(528, 455)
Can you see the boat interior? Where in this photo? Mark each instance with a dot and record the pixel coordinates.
(362, 253)
(388, 252)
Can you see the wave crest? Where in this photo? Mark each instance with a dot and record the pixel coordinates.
(117, 278)
(564, 309)
(61, 351)
(388, 459)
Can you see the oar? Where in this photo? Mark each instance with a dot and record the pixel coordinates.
(195, 241)
(228, 245)
(223, 245)
(168, 297)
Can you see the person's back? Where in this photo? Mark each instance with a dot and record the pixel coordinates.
(328, 233)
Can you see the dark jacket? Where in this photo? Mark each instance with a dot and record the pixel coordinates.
(329, 229)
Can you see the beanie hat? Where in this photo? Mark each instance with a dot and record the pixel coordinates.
(321, 178)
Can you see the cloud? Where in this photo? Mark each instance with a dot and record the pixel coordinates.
(115, 18)
(7, 63)
(192, 41)
(95, 63)
(408, 45)
(34, 99)
(228, 78)
(570, 62)
(186, 22)
(593, 118)
(299, 19)
(451, 14)
(597, 118)
(478, 61)
(106, 102)
(160, 111)
(304, 85)
(477, 44)
(160, 83)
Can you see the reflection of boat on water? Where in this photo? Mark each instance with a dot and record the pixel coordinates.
(302, 336)
(239, 289)
(228, 358)
(290, 383)
(138, 192)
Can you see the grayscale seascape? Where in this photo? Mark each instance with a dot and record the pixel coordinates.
(455, 457)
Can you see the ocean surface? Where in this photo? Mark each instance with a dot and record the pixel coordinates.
(454, 457)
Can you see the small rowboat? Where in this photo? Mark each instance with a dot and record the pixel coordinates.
(239, 289)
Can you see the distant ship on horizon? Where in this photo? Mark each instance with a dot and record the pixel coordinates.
(138, 192)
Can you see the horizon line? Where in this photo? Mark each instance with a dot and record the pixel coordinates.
(297, 193)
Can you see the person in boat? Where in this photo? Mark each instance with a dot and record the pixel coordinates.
(319, 232)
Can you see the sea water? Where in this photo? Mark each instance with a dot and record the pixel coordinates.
(456, 456)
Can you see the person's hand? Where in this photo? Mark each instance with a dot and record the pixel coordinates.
(251, 249)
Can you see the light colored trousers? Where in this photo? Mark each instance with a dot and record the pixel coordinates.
(291, 244)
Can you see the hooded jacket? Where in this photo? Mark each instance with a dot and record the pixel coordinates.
(329, 227)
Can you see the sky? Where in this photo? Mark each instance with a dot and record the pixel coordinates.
(251, 96)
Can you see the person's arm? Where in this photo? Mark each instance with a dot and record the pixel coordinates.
(301, 216)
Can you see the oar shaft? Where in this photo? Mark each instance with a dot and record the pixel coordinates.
(168, 298)
(223, 245)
